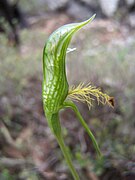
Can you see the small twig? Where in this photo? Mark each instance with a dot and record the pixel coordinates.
(8, 138)
(10, 162)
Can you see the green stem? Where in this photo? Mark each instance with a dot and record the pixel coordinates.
(55, 126)
(75, 109)
(67, 158)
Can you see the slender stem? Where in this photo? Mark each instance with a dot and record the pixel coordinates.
(67, 157)
(55, 126)
(75, 109)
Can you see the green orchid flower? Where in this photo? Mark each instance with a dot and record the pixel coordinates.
(56, 93)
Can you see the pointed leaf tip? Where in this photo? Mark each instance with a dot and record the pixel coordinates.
(90, 19)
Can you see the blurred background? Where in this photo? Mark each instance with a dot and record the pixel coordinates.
(104, 56)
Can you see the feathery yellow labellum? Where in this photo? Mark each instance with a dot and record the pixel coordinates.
(86, 93)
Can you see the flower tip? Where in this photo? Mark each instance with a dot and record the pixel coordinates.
(94, 16)
(111, 101)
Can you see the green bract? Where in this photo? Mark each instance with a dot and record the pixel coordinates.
(55, 88)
